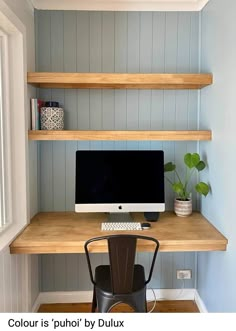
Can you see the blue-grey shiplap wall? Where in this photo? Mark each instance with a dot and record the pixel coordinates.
(73, 41)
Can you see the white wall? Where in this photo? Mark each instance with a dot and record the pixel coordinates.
(217, 271)
(18, 288)
(25, 12)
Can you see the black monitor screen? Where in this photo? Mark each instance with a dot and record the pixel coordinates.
(131, 178)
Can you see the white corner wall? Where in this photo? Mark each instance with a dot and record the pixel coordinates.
(217, 270)
(18, 287)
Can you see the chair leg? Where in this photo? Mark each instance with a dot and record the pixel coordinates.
(139, 302)
(140, 307)
(94, 302)
(104, 304)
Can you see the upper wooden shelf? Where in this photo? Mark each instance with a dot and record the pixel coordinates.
(119, 135)
(118, 80)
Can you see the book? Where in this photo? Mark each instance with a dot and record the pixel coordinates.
(35, 106)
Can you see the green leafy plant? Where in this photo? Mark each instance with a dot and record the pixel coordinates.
(181, 187)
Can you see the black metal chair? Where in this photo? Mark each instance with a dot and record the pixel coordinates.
(122, 280)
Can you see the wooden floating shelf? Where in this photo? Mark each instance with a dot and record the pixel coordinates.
(118, 80)
(119, 135)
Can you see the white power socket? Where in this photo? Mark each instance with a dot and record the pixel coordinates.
(184, 274)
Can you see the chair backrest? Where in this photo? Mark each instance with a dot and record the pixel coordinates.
(122, 252)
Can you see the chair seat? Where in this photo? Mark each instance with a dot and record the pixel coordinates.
(103, 278)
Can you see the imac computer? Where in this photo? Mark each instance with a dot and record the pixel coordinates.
(119, 181)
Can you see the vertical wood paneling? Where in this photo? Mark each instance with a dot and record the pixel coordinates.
(146, 41)
(184, 32)
(71, 148)
(2, 306)
(59, 152)
(133, 65)
(33, 178)
(108, 42)
(96, 110)
(157, 109)
(121, 40)
(83, 42)
(7, 292)
(44, 41)
(167, 270)
(120, 116)
(13, 278)
(83, 102)
(12, 273)
(46, 262)
(190, 263)
(95, 50)
(96, 66)
(171, 42)
(60, 267)
(132, 110)
(82, 65)
(108, 111)
(178, 264)
(133, 41)
(144, 110)
(70, 109)
(46, 176)
(121, 49)
(59, 175)
(194, 43)
(114, 42)
(56, 41)
(192, 110)
(70, 97)
(34, 268)
(108, 65)
(6, 282)
(145, 50)
(72, 272)
(181, 110)
(158, 42)
(69, 37)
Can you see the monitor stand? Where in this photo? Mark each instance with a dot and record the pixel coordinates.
(118, 217)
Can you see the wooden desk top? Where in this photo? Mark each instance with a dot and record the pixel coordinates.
(66, 232)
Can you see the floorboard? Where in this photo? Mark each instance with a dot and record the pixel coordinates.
(175, 306)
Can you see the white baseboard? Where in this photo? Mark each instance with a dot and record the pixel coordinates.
(86, 296)
(201, 306)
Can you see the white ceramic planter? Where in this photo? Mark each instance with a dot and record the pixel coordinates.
(52, 118)
(183, 208)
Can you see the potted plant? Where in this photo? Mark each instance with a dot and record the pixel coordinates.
(183, 201)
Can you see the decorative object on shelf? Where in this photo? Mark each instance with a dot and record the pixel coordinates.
(52, 118)
(183, 207)
(35, 109)
(183, 201)
(51, 104)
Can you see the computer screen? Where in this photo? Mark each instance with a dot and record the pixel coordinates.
(119, 181)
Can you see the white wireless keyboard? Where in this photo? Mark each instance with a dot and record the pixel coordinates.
(120, 226)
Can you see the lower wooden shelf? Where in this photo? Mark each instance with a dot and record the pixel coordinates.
(119, 135)
(66, 232)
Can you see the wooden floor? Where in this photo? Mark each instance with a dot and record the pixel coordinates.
(176, 306)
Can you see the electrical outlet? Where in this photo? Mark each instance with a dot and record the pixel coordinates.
(184, 274)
